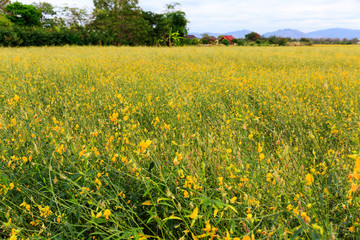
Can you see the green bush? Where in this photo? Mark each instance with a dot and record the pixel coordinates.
(4, 21)
(225, 42)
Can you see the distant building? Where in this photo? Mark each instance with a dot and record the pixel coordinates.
(213, 39)
(190, 37)
(209, 39)
(227, 37)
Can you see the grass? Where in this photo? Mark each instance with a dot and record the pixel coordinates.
(179, 143)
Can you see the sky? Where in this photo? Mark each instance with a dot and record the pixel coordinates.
(220, 16)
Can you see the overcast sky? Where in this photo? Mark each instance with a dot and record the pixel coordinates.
(255, 15)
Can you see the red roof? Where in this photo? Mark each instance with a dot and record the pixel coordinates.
(190, 36)
(228, 37)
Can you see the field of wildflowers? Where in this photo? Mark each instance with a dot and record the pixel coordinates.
(180, 143)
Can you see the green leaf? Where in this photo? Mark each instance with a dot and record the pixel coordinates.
(297, 233)
(152, 165)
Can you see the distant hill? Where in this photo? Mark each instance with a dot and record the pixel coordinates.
(296, 34)
(291, 33)
(199, 35)
(236, 34)
(335, 33)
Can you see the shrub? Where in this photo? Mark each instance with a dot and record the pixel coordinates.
(4, 21)
(253, 36)
(205, 41)
(225, 42)
(234, 41)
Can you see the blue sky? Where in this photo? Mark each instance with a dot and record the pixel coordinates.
(256, 15)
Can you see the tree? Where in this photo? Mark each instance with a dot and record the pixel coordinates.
(158, 27)
(47, 13)
(74, 18)
(253, 36)
(176, 19)
(23, 15)
(3, 4)
(122, 17)
(225, 42)
(4, 21)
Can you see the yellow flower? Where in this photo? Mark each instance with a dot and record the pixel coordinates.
(147, 203)
(13, 234)
(309, 179)
(305, 217)
(98, 215)
(144, 145)
(220, 180)
(195, 213)
(176, 161)
(107, 213)
(354, 187)
(246, 238)
(186, 194)
(289, 207)
(13, 121)
(114, 117)
(11, 186)
(167, 127)
(357, 165)
(61, 149)
(16, 98)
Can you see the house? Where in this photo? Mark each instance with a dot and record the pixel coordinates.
(227, 37)
(191, 37)
(213, 39)
(209, 39)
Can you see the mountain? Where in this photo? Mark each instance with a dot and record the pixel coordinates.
(290, 33)
(199, 35)
(236, 34)
(335, 33)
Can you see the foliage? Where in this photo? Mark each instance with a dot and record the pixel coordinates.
(158, 29)
(205, 40)
(280, 41)
(253, 36)
(225, 42)
(4, 21)
(174, 37)
(47, 14)
(122, 18)
(23, 15)
(25, 37)
(74, 18)
(3, 4)
(176, 19)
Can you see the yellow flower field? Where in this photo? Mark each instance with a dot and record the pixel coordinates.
(180, 143)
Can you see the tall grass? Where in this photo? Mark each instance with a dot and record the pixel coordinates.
(180, 143)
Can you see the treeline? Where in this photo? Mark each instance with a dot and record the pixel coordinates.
(115, 22)
(112, 22)
(255, 39)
